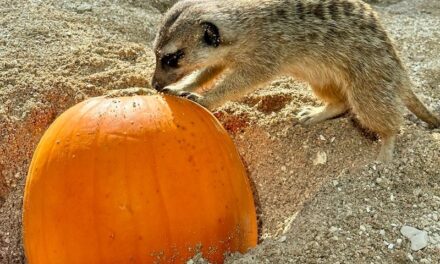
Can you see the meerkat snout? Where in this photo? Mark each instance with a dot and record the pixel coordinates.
(167, 69)
(183, 44)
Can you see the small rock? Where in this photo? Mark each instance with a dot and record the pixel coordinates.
(265, 236)
(399, 241)
(382, 232)
(417, 192)
(321, 158)
(333, 229)
(362, 228)
(321, 137)
(390, 246)
(282, 239)
(332, 139)
(392, 198)
(84, 7)
(418, 238)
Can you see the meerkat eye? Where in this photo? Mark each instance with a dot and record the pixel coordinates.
(211, 35)
(172, 60)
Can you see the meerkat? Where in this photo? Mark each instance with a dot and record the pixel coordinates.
(339, 47)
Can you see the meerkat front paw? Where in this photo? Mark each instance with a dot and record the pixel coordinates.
(189, 95)
(308, 114)
(312, 115)
(172, 91)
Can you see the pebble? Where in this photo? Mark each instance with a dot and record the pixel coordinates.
(321, 158)
(333, 229)
(418, 238)
(417, 192)
(282, 239)
(83, 8)
(382, 232)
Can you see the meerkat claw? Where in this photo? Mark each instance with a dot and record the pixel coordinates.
(304, 112)
(305, 115)
(191, 96)
(188, 95)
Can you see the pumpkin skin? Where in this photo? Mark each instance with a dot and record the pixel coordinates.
(141, 179)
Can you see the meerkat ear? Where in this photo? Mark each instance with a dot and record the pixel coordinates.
(211, 35)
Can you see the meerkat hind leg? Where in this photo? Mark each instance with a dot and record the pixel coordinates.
(387, 149)
(312, 115)
(380, 114)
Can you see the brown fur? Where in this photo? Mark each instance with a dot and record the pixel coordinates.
(338, 46)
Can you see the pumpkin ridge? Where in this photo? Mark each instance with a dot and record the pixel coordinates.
(46, 163)
(164, 213)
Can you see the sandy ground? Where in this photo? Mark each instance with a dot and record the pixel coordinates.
(345, 209)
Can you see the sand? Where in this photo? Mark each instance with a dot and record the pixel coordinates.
(321, 197)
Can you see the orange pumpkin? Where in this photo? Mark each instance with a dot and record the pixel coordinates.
(142, 179)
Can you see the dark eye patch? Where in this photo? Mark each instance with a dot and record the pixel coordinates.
(211, 35)
(172, 60)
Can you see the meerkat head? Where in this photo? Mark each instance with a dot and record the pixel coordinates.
(188, 39)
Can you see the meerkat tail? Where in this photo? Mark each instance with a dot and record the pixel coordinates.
(413, 103)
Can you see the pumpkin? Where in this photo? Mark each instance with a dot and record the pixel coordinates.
(140, 179)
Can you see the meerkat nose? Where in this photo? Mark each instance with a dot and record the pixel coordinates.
(156, 85)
